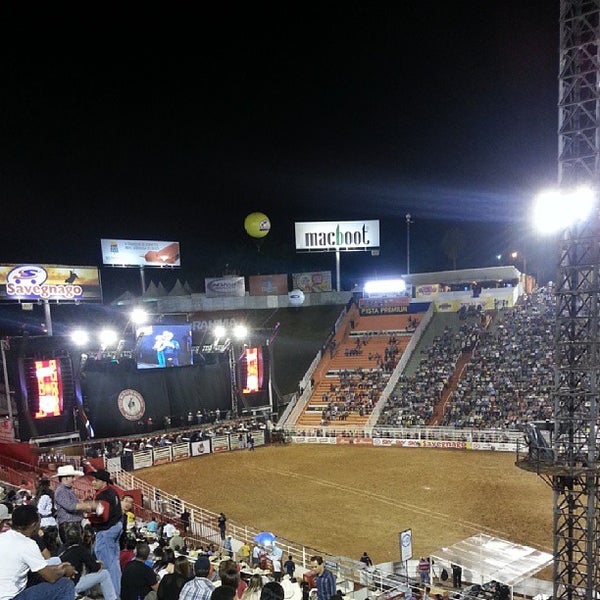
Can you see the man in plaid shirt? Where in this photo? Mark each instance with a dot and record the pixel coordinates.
(199, 588)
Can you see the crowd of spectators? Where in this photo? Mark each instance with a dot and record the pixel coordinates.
(112, 448)
(509, 381)
(414, 399)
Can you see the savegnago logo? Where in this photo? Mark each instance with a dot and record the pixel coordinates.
(345, 234)
(29, 281)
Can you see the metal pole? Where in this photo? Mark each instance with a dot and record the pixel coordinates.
(337, 270)
(408, 222)
(3, 348)
(232, 371)
(48, 317)
(143, 279)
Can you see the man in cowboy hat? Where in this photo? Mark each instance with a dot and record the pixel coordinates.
(108, 525)
(69, 511)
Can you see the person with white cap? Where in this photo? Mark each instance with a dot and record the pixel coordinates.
(69, 511)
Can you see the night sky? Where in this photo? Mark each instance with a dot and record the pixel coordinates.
(173, 122)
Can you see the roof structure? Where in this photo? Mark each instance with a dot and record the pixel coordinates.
(504, 273)
(491, 558)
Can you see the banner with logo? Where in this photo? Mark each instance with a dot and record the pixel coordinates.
(268, 285)
(315, 281)
(331, 236)
(140, 253)
(49, 282)
(217, 287)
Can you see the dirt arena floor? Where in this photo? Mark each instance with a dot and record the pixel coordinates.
(347, 500)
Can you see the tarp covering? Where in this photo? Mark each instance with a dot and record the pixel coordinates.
(491, 558)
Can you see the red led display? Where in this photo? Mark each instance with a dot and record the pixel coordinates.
(49, 388)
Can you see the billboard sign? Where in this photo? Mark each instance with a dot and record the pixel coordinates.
(331, 236)
(140, 253)
(217, 287)
(314, 281)
(49, 282)
(268, 285)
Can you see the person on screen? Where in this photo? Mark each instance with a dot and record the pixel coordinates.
(159, 346)
(170, 349)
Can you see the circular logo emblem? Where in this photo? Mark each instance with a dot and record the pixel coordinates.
(131, 405)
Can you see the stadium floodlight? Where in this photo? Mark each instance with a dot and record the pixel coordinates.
(139, 316)
(219, 332)
(554, 210)
(108, 337)
(385, 286)
(80, 337)
(240, 332)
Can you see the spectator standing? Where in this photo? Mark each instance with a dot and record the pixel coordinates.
(244, 552)
(185, 520)
(366, 560)
(200, 587)
(79, 556)
(20, 555)
(456, 576)
(44, 500)
(69, 512)
(325, 578)
(138, 579)
(273, 591)
(176, 542)
(423, 568)
(229, 574)
(222, 523)
(289, 566)
(108, 525)
(127, 518)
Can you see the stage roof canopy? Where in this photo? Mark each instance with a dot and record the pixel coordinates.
(491, 558)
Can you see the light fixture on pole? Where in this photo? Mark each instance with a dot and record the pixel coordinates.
(408, 222)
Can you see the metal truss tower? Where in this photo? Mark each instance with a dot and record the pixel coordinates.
(574, 474)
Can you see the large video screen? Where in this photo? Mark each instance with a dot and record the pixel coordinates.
(163, 346)
(45, 388)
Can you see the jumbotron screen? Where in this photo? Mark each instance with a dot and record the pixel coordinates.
(164, 346)
(45, 388)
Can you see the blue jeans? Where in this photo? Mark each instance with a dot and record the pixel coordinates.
(87, 582)
(107, 550)
(63, 589)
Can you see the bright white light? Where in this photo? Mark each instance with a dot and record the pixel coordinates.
(240, 331)
(219, 331)
(80, 337)
(385, 286)
(555, 209)
(138, 316)
(108, 337)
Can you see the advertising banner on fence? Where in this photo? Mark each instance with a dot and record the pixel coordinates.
(220, 443)
(49, 282)
(200, 448)
(162, 455)
(217, 287)
(268, 285)
(180, 451)
(383, 306)
(315, 281)
(142, 459)
(330, 236)
(140, 253)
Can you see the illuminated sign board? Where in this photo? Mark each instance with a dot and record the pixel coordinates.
(253, 369)
(49, 282)
(331, 236)
(49, 389)
(140, 253)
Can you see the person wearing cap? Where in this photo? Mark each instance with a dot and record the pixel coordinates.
(69, 511)
(21, 555)
(200, 587)
(108, 525)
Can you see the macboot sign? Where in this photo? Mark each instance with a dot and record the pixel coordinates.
(331, 236)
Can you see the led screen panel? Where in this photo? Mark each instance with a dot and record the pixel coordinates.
(164, 346)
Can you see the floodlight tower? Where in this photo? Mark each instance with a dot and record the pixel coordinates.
(574, 462)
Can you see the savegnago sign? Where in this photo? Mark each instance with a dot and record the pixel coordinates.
(331, 236)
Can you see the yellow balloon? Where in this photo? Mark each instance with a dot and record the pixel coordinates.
(257, 225)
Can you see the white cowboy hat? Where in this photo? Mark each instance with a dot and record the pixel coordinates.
(68, 471)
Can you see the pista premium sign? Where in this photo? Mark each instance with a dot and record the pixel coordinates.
(331, 236)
